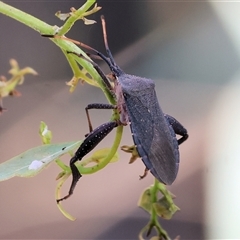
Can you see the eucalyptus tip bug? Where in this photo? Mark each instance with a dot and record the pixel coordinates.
(153, 132)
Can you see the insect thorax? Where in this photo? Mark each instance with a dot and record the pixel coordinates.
(132, 85)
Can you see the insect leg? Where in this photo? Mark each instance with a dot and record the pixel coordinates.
(96, 106)
(178, 128)
(90, 142)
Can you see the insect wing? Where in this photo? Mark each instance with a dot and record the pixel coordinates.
(154, 138)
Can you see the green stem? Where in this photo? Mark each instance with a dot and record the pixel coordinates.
(162, 188)
(58, 195)
(154, 191)
(154, 217)
(61, 165)
(26, 19)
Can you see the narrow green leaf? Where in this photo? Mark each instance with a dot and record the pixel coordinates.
(31, 162)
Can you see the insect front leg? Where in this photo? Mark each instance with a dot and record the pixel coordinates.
(178, 128)
(90, 142)
(96, 106)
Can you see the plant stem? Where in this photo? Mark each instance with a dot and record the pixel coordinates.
(26, 19)
(39, 25)
(154, 217)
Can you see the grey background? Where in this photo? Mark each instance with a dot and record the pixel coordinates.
(183, 46)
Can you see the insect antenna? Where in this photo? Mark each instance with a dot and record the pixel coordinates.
(106, 41)
(101, 55)
(109, 59)
(113, 66)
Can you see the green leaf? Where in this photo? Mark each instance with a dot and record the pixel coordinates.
(145, 201)
(31, 162)
(165, 209)
(45, 134)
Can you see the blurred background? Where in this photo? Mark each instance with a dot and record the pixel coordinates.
(192, 51)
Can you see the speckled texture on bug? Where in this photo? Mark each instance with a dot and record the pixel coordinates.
(94, 138)
(153, 136)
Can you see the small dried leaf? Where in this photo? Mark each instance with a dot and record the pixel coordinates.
(60, 175)
(88, 21)
(73, 9)
(73, 83)
(132, 150)
(15, 68)
(7, 87)
(62, 16)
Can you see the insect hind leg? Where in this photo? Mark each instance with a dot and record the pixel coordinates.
(178, 128)
(90, 142)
